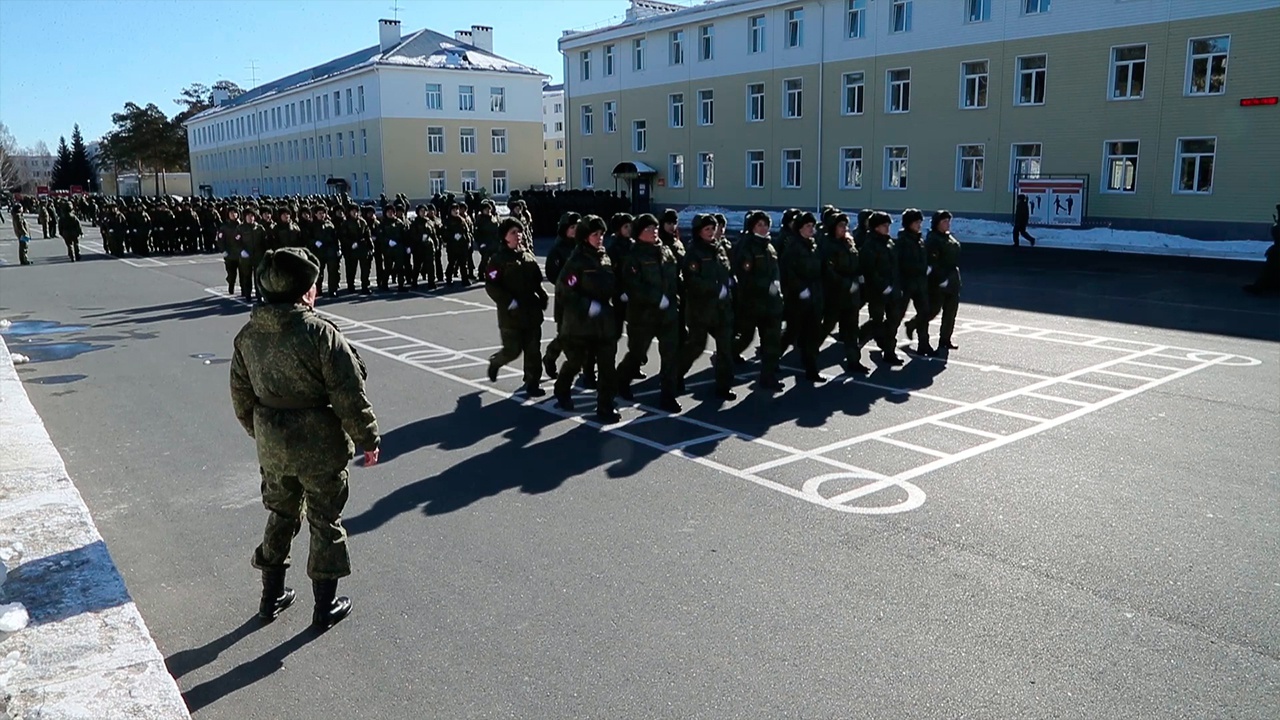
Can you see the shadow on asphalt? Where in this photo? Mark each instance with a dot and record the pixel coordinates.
(185, 661)
(246, 674)
(1187, 294)
(193, 309)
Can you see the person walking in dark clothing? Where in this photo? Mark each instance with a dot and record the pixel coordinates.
(1022, 216)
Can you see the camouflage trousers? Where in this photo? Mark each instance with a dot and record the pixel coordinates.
(324, 497)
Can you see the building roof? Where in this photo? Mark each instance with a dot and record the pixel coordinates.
(558, 87)
(424, 49)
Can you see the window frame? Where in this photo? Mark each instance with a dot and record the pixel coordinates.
(610, 117)
(845, 87)
(1178, 156)
(708, 103)
(638, 60)
(1017, 81)
(608, 59)
(675, 47)
(1042, 7)
(1104, 186)
(672, 164)
(497, 100)
(764, 170)
(861, 163)
(907, 12)
(639, 130)
(493, 182)
(786, 98)
(984, 14)
(496, 134)
(672, 106)
(981, 162)
(1014, 158)
(855, 20)
(444, 182)
(1113, 65)
(794, 19)
(474, 180)
(587, 164)
(462, 141)
(755, 31)
(462, 104)
(888, 168)
(706, 160)
(889, 84)
(785, 181)
(584, 65)
(964, 84)
(586, 120)
(1191, 56)
(764, 98)
(706, 42)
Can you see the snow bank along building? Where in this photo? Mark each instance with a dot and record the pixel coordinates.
(419, 115)
(1164, 109)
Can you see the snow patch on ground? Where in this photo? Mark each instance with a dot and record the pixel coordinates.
(13, 617)
(993, 232)
(20, 359)
(4, 323)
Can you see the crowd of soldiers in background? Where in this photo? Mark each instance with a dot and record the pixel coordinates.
(793, 288)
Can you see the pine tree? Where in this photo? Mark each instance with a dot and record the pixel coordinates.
(61, 179)
(81, 170)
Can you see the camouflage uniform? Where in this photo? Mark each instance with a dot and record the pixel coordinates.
(514, 282)
(758, 300)
(650, 278)
(708, 278)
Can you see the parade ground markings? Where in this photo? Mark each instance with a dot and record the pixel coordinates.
(860, 445)
(95, 246)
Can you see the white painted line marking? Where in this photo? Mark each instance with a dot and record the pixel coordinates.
(403, 347)
(967, 429)
(698, 441)
(1012, 414)
(1053, 398)
(1095, 386)
(1156, 366)
(423, 316)
(911, 446)
(460, 366)
(1126, 375)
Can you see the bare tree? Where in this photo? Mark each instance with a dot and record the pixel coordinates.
(8, 166)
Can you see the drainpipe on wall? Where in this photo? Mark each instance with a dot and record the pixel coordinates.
(568, 146)
(382, 138)
(822, 92)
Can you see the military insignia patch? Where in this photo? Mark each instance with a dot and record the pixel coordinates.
(694, 266)
(571, 281)
(747, 266)
(493, 273)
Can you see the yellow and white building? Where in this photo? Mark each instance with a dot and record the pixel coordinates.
(553, 134)
(416, 115)
(1165, 106)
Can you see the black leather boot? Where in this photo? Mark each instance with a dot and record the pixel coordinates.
(329, 609)
(275, 596)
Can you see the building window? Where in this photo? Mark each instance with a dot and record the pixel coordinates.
(584, 62)
(676, 115)
(900, 16)
(368, 191)
(1031, 79)
(588, 120)
(675, 171)
(639, 136)
(339, 145)
(706, 42)
(1128, 70)
(755, 168)
(559, 126)
(467, 141)
(499, 184)
(360, 98)
(609, 52)
(467, 98)
(558, 108)
(791, 101)
(755, 102)
(352, 136)
(435, 140)
(899, 97)
(611, 116)
(559, 144)
(588, 173)
(351, 110)
(854, 86)
(364, 141)
(1024, 163)
(437, 182)
(1035, 7)
(755, 34)
(497, 99)
(855, 19)
(1121, 168)
(559, 162)
(706, 170)
(1195, 165)
(498, 141)
(977, 11)
(637, 54)
(791, 168)
(470, 181)
(895, 167)
(969, 167)
(851, 168)
(795, 27)
(676, 42)
(973, 84)
(706, 107)
(1207, 65)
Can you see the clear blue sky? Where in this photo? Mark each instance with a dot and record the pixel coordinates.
(69, 61)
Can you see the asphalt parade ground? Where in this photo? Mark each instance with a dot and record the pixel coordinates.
(1075, 515)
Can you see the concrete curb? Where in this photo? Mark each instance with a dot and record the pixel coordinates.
(87, 652)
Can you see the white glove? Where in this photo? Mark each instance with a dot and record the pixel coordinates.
(944, 283)
(625, 298)
(355, 245)
(775, 288)
(733, 282)
(319, 244)
(457, 236)
(888, 290)
(594, 309)
(664, 303)
(219, 236)
(853, 289)
(244, 253)
(804, 294)
(861, 279)
(424, 238)
(724, 292)
(226, 255)
(391, 243)
(513, 305)
(928, 270)
(237, 237)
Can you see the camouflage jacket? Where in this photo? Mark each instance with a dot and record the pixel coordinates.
(944, 256)
(297, 387)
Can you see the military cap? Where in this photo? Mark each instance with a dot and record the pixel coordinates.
(619, 219)
(800, 219)
(702, 220)
(569, 218)
(286, 274)
(642, 223)
(721, 220)
(754, 217)
(911, 215)
(877, 218)
(670, 216)
(838, 218)
(507, 225)
(590, 224)
(940, 215)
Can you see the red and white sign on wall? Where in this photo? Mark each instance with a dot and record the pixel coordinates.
(1054, 201)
